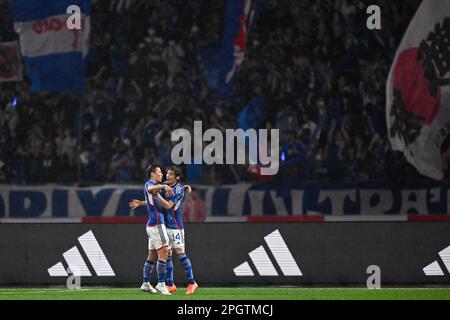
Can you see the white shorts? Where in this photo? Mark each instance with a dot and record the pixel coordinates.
(176, 238)
(157, 237)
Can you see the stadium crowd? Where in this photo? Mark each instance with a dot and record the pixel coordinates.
(320, 72)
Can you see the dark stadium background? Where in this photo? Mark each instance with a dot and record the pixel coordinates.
(314, 63)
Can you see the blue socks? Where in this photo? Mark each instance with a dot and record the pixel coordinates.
(161, 270)
(187, 267)
(169, 271)
(165, 269)
(148, 268)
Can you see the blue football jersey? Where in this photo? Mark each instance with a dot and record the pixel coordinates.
(154, 207)
(174, 218)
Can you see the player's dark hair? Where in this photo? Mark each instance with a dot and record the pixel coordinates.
(176, 170)
(151, 168)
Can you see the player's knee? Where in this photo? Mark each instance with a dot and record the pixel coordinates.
(152, 255)
(162, 254)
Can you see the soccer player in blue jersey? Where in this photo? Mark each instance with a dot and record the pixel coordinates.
(175, 227)
(158, 240)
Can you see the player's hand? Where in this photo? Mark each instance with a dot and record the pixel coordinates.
(134, 204)
(188, 189)
(168, 190)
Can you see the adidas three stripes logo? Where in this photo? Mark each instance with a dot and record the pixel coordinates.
(76, 263)
(433, 269)
(262, 262)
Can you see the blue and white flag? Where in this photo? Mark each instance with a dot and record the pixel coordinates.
(220, 65)
(54, 55)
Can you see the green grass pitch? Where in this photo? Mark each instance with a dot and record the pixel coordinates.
(209, 293)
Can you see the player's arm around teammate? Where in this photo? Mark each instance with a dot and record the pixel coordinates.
(159, 187)
(135, 203)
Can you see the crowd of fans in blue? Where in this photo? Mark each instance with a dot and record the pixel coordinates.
(320, 72)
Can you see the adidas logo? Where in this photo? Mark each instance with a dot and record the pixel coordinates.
(434, 269)
(262, 262)
(77, 264)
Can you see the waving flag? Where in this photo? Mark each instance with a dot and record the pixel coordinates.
(418, 89)
(54, 56)
(219, 65)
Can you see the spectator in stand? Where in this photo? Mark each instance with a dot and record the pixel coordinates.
(286, 121)
(335, 157)
(122, 164)
(119, 55)
(68, 148)
(292, 154)
(18, 166)
(50, 164)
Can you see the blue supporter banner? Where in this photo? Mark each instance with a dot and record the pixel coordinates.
(233, 200)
